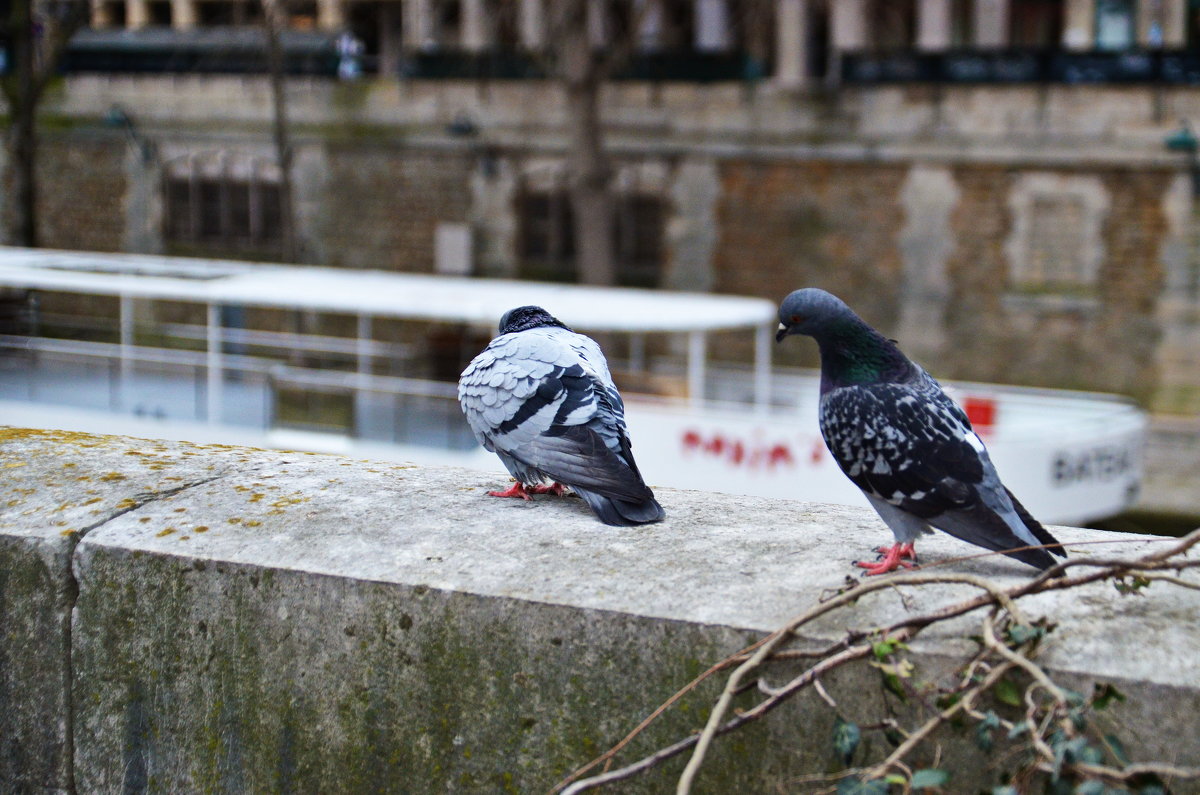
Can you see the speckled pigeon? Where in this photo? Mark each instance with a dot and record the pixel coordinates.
(540, 396)
(905, 443)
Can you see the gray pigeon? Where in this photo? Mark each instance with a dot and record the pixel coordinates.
(905, 443)
(540, 397)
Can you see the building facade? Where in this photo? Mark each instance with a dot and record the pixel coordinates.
(990, 181)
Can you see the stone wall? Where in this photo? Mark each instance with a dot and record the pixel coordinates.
(381, 205)
(185, 618)
(919, 231)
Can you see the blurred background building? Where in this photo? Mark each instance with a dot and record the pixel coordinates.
(1005, 185)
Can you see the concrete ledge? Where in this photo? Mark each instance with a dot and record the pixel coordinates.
(186, 618)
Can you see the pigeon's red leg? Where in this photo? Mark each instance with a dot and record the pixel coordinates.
(908, 550)
(893, 559)
(515, 490)
(557, 489)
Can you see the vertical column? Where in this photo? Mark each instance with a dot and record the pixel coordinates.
(125, 390)
(137, 14)
(1174, 23)
(101, 14)
(696, 363)
(791, 42)
(389, 42)
(533, 24)
(764, 336)
(216, 376)
(420, 32)
(712, 26)
(331, 15)
(1080, 24)
(933, 25)
(597, 27)
(991, 23)
(650, 24)
(849, 23)
(1152, 22)
(183, 14)
(474, 26)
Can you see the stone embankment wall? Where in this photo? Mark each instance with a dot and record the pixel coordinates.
(182, 618)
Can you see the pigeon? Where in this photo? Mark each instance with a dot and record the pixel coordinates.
(905, 443)
(540, 396)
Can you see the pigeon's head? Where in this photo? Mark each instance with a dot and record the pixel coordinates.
(810, 311)
(526, 317)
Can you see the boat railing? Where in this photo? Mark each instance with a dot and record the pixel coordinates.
(262, 392)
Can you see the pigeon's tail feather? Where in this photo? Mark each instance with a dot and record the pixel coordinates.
(622, 513)
(983, 527)
(1055, 546)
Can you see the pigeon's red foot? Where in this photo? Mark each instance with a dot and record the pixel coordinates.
(515, 490)
(557, 489)
(895, 557)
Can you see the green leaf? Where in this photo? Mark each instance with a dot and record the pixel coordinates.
(983, 732)
(883, 648)
(855, 786)
(1019, 634)
(1091, 755)
(1092, 787)
(1117, 749)
(846, 737)
(929, 778)
(1131, 588)
(896, 778)
(1104, 694)
(1007, 693)
(1017, 730)
(892, 683)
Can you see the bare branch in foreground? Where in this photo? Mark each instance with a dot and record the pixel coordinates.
(1010, 641)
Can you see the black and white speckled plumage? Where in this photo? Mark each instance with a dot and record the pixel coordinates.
(903, 441)
(541, 397)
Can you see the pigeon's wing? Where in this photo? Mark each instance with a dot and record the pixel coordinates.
(914, 448)
(532, 397)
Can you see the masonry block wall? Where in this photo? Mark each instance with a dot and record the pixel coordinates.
(776, 222)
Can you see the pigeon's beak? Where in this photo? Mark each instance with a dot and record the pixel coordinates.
(782, 332)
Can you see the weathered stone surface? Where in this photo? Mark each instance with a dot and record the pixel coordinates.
(56, 487)
(252, 621)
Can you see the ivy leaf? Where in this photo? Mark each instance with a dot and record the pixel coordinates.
(855, 786)
(1017, 730)
(1020, 634)
(930, 778)
(1131, 588)
(1104, 694)
(846, 737)
(886, 647)
(1007, 693)
(1117, 749)
(983, 732)
(1091, 755)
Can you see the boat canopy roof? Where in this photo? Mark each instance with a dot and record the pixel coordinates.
(447, 299)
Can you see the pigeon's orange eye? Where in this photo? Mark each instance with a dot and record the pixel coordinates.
(797, 318)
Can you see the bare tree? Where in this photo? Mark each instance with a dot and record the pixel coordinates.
(583, 71)
(274, 24)
(37, 36)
